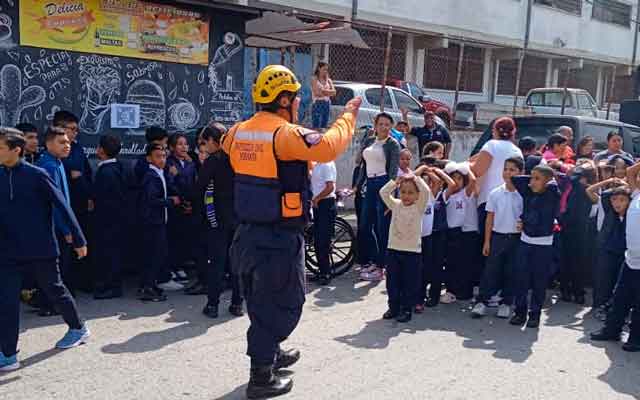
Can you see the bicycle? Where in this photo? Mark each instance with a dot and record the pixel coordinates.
(343, 243)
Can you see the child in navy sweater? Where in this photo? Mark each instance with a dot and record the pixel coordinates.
(611, 240)
(541, 200)
(154, 213)
(109, 191)
(28, 246)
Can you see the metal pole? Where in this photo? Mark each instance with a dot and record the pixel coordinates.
(354, 10)
(635, 26)
(387, 57)
(458, 75)
(566, 84)
(525, 46)
(611, 92)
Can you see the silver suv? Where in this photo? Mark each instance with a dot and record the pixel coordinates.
(394, 100)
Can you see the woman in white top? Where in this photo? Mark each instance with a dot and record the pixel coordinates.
(488, 164)
(322, 90)
(381, 156)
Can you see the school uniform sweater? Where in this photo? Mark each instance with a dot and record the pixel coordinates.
(109, 190)
(55, 168)
(215, 177)
(28, 198)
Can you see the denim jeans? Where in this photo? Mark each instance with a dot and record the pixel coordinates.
(320, 111)
(375, 224)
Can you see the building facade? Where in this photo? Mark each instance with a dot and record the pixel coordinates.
(585, 43)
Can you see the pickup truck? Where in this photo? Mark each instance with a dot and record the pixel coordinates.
(540, 127)
(477, 115)
(441, 109)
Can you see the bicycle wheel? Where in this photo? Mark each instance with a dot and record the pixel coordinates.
(342, 250)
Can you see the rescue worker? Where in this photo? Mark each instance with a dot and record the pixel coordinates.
(270, 156)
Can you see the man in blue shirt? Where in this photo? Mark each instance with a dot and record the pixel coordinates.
(58, 148)
(430, 132)
(28, 246)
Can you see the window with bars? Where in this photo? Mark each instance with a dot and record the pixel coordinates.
(572, 6)
(367, 65)
(441, 67)
(534, 74)
(612, 11)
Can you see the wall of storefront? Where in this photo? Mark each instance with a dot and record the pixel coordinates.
(36, 82)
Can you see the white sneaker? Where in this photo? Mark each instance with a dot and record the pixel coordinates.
(448, 298)
(479, 310)
(181, 276)
(494, 301)
(504, 311)
(171, 286)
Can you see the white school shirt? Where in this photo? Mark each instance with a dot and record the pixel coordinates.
(456, 205)
(507, 209)
(164, 188)
(632, 255)
(470, 223)
(323, 173)
(500, 150)
(427, 218)
(375, 159)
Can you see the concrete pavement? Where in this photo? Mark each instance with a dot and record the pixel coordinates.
(170, 351)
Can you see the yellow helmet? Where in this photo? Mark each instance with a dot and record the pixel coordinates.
(273, 80)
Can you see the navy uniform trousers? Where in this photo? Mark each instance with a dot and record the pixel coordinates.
(625, 298)
(270, 261)
(47, 276)
(218, 243)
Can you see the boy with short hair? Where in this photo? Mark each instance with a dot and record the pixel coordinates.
(501, 238)
(154, 214)
(109, 190)
(541, 201)
(323, 186)
(31, 152)
(28, 197)
(627, 292)
(58, 147)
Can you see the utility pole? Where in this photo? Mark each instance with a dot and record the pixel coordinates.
(635, 26)
(525, 46)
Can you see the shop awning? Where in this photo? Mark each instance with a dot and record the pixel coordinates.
(277, 31)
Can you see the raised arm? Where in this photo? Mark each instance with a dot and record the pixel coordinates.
(632, 176)
(386, 193)
(302, 144)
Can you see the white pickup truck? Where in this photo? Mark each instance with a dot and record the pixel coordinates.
(546, 101)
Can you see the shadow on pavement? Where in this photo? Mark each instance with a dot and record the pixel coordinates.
(9, 380)
(486, 334)
(193, 325)
(237, 393)
(343, 290)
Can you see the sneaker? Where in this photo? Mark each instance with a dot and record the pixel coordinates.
(9, 363)
(504, 311)
(494, 301)
(73, 338)
(180, 276)
(373, 276)
(150, 294)
(171, 286)
(419, 308)
(479, 311)
(631, 346)
(236, 310)
(389, 314)
(404, 316)
(448, 298)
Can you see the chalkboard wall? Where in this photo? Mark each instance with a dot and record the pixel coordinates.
(35, 83)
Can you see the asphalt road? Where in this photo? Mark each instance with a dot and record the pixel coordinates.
(170, 351)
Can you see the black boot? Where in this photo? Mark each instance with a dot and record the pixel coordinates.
(236, 310)
(263, 384)
(604, 335)
(632, 345)
(286, 359)
(210, 310)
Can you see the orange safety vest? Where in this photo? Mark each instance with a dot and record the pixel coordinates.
(267, 190)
